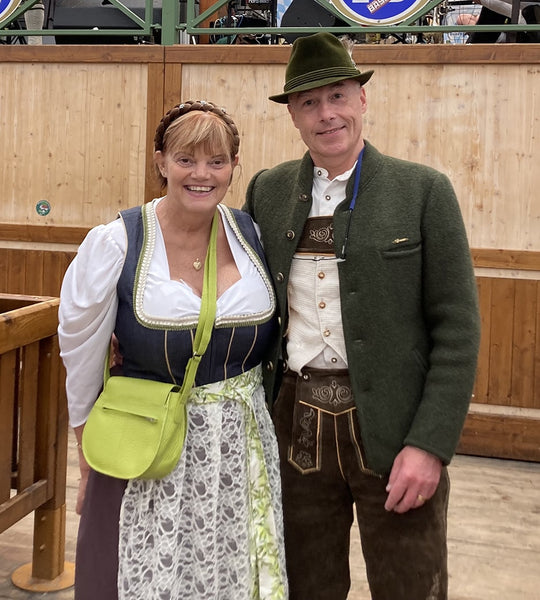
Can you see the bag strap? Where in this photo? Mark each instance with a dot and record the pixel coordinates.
(205, 324)
(207, 317)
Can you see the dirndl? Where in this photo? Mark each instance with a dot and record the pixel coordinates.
(213, 528)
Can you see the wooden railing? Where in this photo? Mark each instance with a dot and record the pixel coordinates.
(33, 435)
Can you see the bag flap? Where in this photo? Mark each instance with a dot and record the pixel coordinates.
(142, 397)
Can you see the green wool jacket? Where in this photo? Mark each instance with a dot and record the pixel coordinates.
(408, 297)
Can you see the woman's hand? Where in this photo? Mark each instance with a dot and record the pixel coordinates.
(84, 469)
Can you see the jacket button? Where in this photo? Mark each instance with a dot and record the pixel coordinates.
(269, 366)
(280, 277)
(290, 235)
(303, 197)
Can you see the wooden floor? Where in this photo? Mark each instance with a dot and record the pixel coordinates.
(493, 535)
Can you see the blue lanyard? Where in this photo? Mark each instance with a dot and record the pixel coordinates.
(353, 200)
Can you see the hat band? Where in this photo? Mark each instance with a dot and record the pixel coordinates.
(319, 75)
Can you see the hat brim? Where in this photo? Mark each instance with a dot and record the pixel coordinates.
(284, 97)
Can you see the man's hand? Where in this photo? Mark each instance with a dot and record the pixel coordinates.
(116, 359)
(413, 480)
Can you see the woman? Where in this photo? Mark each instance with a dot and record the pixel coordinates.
(213, 527)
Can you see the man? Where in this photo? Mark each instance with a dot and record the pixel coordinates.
(379, 339)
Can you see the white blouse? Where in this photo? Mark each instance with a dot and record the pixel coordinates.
(88, 303)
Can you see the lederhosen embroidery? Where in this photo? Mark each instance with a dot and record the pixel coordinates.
(317, 237)
(317, 390)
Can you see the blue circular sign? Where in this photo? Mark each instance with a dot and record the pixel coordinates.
(379, 12)
(7, 7)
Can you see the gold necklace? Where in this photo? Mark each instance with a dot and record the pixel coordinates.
(197, 264)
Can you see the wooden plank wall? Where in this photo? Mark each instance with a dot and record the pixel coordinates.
(74, 131)
(35, 272)
(82, 140)
(504, 418)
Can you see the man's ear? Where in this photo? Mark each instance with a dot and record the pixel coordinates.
(292, 113)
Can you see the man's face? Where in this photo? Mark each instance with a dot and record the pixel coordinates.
(329, 119)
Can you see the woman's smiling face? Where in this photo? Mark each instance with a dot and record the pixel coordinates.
(196, 180)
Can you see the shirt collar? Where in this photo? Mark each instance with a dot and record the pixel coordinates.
(321, 173)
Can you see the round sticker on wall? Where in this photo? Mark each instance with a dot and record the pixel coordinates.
(379, 12)
(43, 208)
(7, 7)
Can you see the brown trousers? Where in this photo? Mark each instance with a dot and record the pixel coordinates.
(405, 555)
(96, 561)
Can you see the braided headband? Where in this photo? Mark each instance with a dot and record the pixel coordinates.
(190, 105)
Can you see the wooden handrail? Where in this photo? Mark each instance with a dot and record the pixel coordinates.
(33, 435)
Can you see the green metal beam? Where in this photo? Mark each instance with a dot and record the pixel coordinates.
(135, 18)
(170, 15)
(22, 8)
(389, 29)
(145, 25)
(423, 11)
(209, 12)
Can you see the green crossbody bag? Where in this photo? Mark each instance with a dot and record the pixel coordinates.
(137, 427)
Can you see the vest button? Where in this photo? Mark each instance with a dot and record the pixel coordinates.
(321, 275)
(322, 304)
(326, 332)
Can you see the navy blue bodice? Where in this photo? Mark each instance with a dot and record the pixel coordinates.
(155, 351)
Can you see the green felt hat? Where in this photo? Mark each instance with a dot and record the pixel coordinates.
(317, 60)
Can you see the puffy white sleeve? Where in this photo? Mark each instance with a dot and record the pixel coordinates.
(87, 314)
